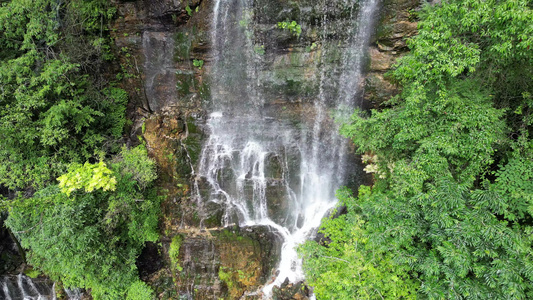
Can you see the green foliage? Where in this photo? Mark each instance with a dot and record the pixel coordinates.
(88, 177)
(452, 135)
(174, 252)
(58, 111)
(54, 107)
(259, 49)
(115, 108)
(135, 163)
(310, 48)
(351, 267)
(140, 291)
(198, 63)
(188, 10)
(90, 239)
(450, 212)
(511, 194)
(226, 277)
(32, 273)
(243, 23)
(291, 26)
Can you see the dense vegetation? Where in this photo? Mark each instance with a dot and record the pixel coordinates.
(55, 107)
(450, 214)
(88, 230)
(80, 203)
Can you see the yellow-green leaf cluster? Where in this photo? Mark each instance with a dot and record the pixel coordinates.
(88, 177)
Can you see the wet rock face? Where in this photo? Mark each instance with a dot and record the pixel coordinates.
(219, 263)
(164, 49)
(291, 291)
(210, 263)
(145, 35)
(159, 70)
(162, 8)
(397, 24)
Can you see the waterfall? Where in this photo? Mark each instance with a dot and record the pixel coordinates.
(260, 168)
(22, 287)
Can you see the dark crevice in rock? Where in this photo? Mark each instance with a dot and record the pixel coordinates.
(150, 261)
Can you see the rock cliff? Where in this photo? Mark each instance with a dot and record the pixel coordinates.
(164, 53)
(397, 24)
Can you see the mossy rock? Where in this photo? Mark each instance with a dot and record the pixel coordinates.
(182, 46)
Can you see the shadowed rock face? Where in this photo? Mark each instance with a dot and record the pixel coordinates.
(159, 69)
(161, 44)
(10, 258)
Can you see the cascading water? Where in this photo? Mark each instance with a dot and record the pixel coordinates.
(21, 287)
(260, 168)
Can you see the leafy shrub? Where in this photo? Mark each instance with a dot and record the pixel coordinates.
(139, 291)
(291, 26)
(90, 238)
(54, 107)
(174, 252)
(198, 63)
(88, 177)
(135, 163)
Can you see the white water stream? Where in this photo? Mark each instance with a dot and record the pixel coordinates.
(22, 287)
(260, 168)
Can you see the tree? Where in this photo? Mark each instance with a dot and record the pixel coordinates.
(350, 266)
(451, 207)
(54, 106)
(60, 115)
(90, 238)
